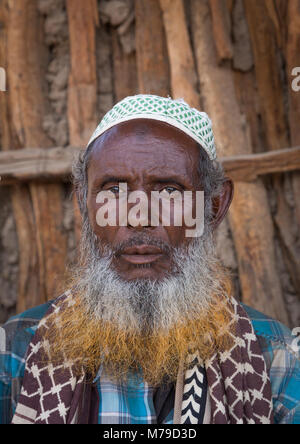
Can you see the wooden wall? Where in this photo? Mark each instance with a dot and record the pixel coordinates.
(68, 61)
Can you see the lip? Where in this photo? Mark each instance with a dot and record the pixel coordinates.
(141, 258)
(142, 254)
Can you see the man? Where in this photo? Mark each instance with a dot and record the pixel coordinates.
(149, 331)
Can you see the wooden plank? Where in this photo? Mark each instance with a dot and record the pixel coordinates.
(36, 164)
(23, 110)
(292, 60)
(124, 70)
(82, 87)
(249, 215)
(28, 276)
(30, 293)
(270, 89)
(265, 40)
(182, 66)
(151, 49)
(55, 164)
(221, 29)
(247, 168)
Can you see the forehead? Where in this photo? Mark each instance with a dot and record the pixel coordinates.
(144, 145)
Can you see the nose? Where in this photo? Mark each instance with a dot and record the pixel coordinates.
(139, 210)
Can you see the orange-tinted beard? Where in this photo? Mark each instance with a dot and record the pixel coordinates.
(87, 342)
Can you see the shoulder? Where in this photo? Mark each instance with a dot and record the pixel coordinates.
(22, 326)
(280, 347)
(270, 328)
(17, 332)
(15, 337)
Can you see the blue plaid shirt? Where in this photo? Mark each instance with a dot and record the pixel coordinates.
(133, 403)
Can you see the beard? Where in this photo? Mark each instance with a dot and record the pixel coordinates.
(143, 326)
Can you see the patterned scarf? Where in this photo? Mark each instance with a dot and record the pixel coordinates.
(238, 384)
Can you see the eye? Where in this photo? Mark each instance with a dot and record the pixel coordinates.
(169, 189)
(117, 189)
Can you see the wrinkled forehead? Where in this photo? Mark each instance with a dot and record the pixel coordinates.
(143, 128)
(145, 143)
(177, 113)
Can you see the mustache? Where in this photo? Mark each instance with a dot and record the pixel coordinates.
(142, 239)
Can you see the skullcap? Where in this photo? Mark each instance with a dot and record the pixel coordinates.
(177, 113)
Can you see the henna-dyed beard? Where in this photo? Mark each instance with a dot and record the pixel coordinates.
(143, 325)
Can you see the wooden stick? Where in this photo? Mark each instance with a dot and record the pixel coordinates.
(55, 164)
(247, 168)
(221, 29)
(271, 95)
(151, 49)
(82, 87)
(42, 243)
(292, 60)
(249, 215)
(270, 89)
(182, 66)
(124, 70)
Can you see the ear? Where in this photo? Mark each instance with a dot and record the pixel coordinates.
(222, 203)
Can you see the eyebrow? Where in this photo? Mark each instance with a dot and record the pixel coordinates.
(108, 179)
(171, 179)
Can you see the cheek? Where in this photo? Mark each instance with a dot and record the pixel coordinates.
(176, 235)
(92, 208)
(106, 233)
(184, 218)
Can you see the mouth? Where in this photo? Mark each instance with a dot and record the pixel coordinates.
(141, 254)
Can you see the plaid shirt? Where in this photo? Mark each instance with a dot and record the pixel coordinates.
(133, 403)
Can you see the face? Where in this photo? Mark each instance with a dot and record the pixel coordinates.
(129, 301)
(148, 156)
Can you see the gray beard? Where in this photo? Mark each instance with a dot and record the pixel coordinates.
(145, 305)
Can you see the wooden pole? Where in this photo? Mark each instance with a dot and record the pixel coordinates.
(292, 50)
(270, 91)
(249, 216)
(151, 50)
(38, 208)
(55, 164)
(268, 80)
(82, 87)
(182, 66)
(124, 70)
(221, 29)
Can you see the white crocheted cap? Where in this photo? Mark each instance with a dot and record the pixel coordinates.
(177, 113)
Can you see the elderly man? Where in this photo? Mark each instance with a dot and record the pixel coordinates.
(148, 330)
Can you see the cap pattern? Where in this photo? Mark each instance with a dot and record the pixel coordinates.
(177, 113)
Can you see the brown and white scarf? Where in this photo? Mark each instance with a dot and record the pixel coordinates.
(239, 389)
